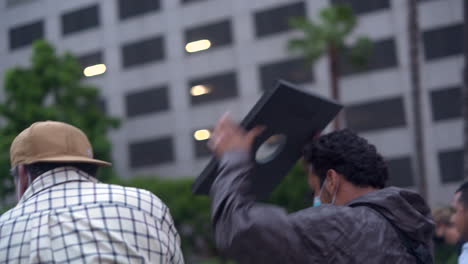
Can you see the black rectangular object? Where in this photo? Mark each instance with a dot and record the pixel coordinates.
(284, 110)
(26, 34)
(80, 20)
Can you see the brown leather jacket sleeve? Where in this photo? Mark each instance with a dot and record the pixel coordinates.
(245, 230)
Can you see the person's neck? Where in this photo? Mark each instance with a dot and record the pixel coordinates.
(351, 192)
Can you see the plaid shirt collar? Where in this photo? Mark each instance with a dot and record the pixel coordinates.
(55, 177)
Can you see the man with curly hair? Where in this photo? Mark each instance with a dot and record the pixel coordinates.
(358, 221)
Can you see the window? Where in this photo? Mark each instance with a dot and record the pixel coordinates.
(11, 3)
(90, 59)
(200, 140)
(276, 20)
(143, 51)
(293, 70)
(26, 34)
(190, 1)
(400, 172)
(215, 35)
(364, 6)
(80, 20)
(102, 105)
(92, 64)
(151, 152)
(446, 103)
(451, 165)
(201, 149)
(381, 114)
(383, 57)
(148, 101)
(213, 88)
(443, 42)
(132, 8)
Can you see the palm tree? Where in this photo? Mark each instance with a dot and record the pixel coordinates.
(328, 37)
(414, 43)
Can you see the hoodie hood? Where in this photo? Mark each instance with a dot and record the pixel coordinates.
(404, 208)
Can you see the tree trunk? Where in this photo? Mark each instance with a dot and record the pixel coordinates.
(418, 133)
(465, 89)
(334, 82)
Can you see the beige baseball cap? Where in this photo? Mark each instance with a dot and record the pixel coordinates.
(51, 141)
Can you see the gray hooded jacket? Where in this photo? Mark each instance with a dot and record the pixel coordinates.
(251, 232)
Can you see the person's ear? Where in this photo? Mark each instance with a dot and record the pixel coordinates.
(332, 180)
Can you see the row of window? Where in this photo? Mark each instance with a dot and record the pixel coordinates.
(89, 17)
(441, 42)
(361, 118)
(446, 103)
(218, 86)
(450, 168)
(267, 22)
(361, 7)
(161, 151)
(215, 87)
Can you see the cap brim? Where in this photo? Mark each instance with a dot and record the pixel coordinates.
(77, 159)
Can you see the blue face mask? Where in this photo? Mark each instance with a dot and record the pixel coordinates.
(317, 201)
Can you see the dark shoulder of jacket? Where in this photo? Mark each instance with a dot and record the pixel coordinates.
(327, 225)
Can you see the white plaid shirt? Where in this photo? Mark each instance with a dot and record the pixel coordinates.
(67, 216)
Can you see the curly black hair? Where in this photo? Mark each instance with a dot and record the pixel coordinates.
(348, 154)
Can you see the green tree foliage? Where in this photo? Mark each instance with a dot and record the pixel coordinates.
(329, 36)
(445, 254)
(293, 193)
(51, 89)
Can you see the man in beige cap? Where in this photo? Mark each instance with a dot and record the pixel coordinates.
(64, 215)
